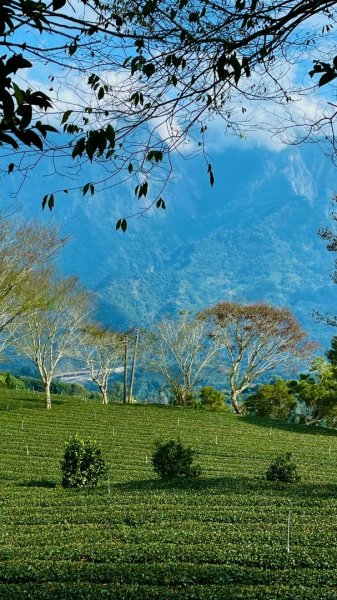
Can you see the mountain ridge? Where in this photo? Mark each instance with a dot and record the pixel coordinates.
(252, 238)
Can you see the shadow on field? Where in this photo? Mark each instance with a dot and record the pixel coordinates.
(38, 483)
(290, 427)
(35, 402)
(232, 486)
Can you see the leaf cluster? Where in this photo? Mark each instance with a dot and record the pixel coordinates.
(317, 390)
(82, 464)
(183, 397)
(283, 469)
(212, 399)
(17, 105)
(176, 62)
(275, 400)
(173, 459)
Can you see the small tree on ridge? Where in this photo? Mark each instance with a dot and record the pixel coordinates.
(102, 351)
(255, 339)
(49, 335)
(180, 350)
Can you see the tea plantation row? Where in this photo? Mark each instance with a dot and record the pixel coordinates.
(222, 536)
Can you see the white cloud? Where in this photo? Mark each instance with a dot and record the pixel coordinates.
(300, 177)
(269, 122)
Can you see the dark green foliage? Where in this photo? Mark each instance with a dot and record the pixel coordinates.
(318, 391)
(273, 400)
(56, 387)
(10, 382)
(182, 397)
(70, 389)
(82, 464)
(115, 391)
(173, 459)
(283, 469)
(331, 354)
(34, 384)
(212, 399)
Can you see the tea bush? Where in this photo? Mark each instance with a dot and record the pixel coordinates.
(173, 459)
(213, 399)
(182, 397)
(283, 469)
(82, 464)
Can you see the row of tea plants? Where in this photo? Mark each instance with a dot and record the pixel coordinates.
(220, 535)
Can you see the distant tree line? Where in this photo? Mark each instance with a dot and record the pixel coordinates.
(51, 320)
(24, 382)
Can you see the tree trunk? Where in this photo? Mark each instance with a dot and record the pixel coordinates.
(125, 389)
(47, 394)
(105, 399)
(313, 421)
(234, 401)
(132, 379)
(235, 393)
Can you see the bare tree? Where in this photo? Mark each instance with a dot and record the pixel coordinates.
(180, 350)
(255, 339)
(53, 333)
(25, 251)
(133, 81)
(102, 351)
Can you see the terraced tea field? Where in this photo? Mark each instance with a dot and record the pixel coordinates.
(223, 536)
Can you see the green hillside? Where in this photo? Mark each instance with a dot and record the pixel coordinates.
(223, 536)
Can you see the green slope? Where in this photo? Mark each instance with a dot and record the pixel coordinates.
(222, 536)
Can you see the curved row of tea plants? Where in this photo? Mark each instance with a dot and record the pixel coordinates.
(221, 536)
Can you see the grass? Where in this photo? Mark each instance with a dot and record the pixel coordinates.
(222, 536)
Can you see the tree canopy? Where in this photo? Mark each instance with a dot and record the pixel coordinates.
(318, 391)
(275, 400)
(26, 251)
(102, 351)
(254, 339)
(126, 84)
(49, 335)
(181, 351)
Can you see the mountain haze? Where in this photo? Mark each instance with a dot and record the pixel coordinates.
(252, 237)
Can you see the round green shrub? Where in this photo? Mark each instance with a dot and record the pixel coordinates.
(82, 464)
(173, 459)
(212, 399)
(283, 469)
(183, 397)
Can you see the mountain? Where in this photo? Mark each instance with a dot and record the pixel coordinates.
(252, 237)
